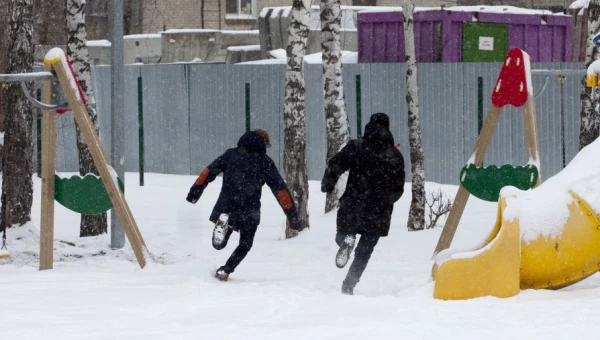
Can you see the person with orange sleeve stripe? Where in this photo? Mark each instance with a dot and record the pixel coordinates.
(245, 170)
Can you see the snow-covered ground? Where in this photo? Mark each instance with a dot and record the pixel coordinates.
(284, 289)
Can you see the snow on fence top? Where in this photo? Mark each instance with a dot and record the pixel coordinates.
(480, 9)
(279, 57)
(348, 57)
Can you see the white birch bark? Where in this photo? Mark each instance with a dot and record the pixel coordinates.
(17, 165)
(294, 115)
(78, 54)
(416, 215)
(336, 117)
(590, 96)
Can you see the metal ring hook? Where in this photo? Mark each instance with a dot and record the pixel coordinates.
(40, 105)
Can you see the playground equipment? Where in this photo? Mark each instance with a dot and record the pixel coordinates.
(594, 69)
(531, 249)
(512, 87)
(86, 195)
(6, 80)
(544, 238)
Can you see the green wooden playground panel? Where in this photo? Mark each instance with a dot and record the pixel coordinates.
(84, 195)
(486, 183)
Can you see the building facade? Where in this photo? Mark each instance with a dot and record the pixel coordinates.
(160, 15)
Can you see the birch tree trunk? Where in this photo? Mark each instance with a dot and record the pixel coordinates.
(294, 115)
(17, 165)
(590, 96)
(336, 118)
(3, 61)
(91, 225)
(416, 215)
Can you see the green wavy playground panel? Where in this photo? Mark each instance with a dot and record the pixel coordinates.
(486, 183)
(85, 195)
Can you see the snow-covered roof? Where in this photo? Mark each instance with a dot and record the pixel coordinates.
(501, 9)
(379, 9)
(240, 32)
(98, 43)
(481, 9)
(244, 48)
(142, 36)
(187, 30)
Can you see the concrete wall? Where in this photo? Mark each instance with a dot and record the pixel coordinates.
(146, 48)
(274, 22)
(208, 45)
(137, 48)
(348, 39)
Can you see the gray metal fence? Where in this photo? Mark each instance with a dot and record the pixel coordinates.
(194, 112)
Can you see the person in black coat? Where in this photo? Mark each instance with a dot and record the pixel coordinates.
(375, 182)
(245, 170)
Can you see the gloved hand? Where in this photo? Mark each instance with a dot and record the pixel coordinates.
(327, 185)
(294, 224)
(194, 194)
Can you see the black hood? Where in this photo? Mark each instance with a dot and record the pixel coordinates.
(252, 142)
(381, 119)
(377, 131)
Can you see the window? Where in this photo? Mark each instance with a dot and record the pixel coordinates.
(240, 9)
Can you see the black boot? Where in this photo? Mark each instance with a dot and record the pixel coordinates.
(348, 288)
(222, 274)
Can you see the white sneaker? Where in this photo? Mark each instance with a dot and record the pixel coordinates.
(343, 255)
(220, 231)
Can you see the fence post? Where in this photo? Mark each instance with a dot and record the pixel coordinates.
(141, 129)
(479, 104)
(117, 234)
(247, 107)
(358, 108)
(562, 120)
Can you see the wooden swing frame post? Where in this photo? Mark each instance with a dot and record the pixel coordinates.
(48, 169)
(100, 160)
(481, 147)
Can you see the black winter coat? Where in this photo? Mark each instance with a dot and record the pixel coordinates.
(375, 182)
(245, 170)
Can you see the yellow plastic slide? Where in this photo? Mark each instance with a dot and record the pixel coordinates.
(507, 263)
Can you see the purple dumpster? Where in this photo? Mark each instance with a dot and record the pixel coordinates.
(443, 35)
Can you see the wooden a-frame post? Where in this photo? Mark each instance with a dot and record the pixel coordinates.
(100, 160)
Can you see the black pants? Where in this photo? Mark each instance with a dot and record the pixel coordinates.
(246, 241)
(362, 254)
